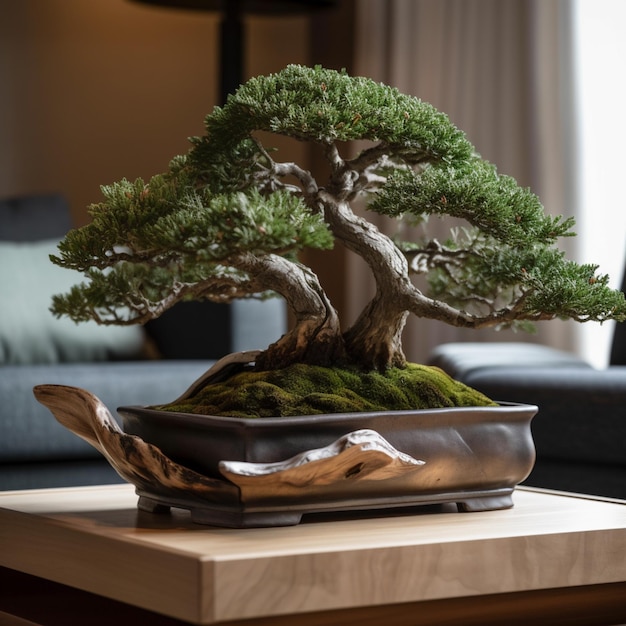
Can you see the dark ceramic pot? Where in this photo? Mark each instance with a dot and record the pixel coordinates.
(473, 457)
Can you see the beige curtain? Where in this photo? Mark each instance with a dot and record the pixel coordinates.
(499, 69)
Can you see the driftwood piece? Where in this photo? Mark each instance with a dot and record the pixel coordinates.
(138, 462)
(359, 455)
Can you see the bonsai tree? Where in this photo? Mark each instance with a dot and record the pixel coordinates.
(229, 218)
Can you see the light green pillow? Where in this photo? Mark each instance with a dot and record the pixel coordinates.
(29, 332)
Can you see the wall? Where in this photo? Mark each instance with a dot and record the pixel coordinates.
(95, 91)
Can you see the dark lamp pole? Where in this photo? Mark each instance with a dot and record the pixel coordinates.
(232, 36)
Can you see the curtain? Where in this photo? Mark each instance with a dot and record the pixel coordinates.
(500, 70)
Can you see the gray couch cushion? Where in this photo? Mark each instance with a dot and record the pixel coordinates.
(30, 333)
(29, 432)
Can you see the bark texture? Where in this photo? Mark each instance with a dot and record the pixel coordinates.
(315, 338)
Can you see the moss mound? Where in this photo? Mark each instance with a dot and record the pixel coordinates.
(312, 390)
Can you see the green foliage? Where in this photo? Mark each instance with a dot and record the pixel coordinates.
(312, 390)
(538, 280)
(147, 240)
(320, 105)
(507, 260)
(167, 220)
(475, 192)
(223, 168)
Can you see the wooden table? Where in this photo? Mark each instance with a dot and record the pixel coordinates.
(68, 553)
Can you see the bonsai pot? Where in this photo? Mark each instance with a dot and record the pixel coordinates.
(244, 472)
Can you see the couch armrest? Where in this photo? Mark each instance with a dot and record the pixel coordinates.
(461, 359)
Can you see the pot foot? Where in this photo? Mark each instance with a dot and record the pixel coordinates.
(486, 503)
(152, 506)
(214, 516)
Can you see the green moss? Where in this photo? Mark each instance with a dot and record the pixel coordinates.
(311, 390)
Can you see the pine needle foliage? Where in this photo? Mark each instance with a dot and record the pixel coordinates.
(229, 220)
(326, 106)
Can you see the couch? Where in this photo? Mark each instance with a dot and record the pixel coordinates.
(580, 429)
(120, 365)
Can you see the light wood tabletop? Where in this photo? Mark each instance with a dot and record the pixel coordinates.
(94, 539)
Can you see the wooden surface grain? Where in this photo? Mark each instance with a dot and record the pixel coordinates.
(94, 539)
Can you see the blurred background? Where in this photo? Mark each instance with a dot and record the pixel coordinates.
(95, 91)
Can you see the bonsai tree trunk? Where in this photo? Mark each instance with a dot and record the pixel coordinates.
(316, 336)
(375, 339)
